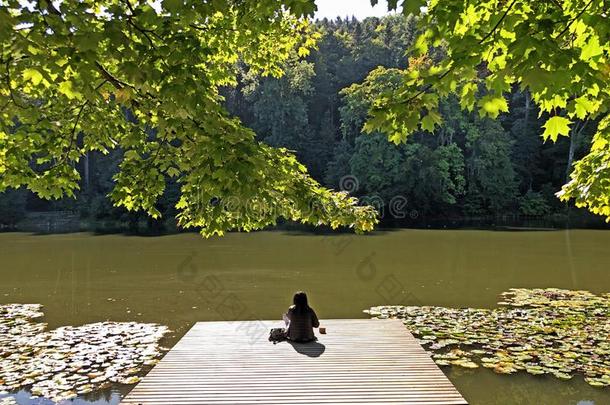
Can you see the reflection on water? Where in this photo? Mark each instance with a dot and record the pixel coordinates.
(103, 397)
(522, 388)
(179, 279)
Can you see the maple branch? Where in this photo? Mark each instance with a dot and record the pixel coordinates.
(113, 80)
(8, 83)
(574, 19)
(442, 76)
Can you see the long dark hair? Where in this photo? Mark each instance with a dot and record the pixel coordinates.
(300, 302)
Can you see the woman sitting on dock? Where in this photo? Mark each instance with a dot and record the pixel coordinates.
(301, 319)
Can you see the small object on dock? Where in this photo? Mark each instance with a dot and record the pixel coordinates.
(362, 361)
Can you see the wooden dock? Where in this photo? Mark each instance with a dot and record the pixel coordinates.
(357, 361)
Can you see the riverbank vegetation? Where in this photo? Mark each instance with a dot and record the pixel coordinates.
(472, 168)
(159, 86)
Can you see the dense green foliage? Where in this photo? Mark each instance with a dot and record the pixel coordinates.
(557, 51)
(12, 207)
(473, 166)
(84, 76)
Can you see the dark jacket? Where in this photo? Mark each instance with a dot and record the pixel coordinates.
(301, 325)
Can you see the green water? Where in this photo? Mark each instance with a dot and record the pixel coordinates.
(180, 279)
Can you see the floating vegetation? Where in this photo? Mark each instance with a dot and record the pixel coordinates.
(539, 331)
(72, 360)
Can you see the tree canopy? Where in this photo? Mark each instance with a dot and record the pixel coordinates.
(158, 86)
(144, 78)
(557, 51)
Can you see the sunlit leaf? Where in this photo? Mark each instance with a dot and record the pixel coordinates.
(492, 106)
(556, 126)
(32, 75)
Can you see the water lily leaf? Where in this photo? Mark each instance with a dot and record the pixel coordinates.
(539, 331)
(465, 363)
(69, 361)
(562, 376)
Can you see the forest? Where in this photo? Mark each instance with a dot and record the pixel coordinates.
(472, 168)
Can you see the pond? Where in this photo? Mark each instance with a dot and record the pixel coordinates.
(177, 280)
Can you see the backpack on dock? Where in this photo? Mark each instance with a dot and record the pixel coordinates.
(277, 335)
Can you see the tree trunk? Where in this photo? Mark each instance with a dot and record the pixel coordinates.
(574, 134)
(526, 126)
(527, 111)
(86, 172)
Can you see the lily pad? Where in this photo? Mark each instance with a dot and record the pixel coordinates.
(73, 360)
(539, 331)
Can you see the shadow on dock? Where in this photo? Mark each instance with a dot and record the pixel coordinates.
(311, 349)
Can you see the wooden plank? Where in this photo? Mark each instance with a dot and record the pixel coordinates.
(359, 361)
